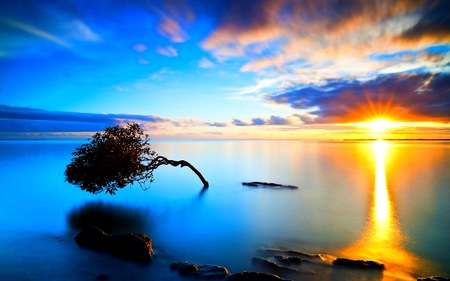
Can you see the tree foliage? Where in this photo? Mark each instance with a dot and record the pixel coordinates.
(113, 159)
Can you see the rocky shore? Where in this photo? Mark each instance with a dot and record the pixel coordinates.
(275, 263)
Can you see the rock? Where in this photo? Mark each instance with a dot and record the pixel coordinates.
(267, 264)
(288, 260)
(359, 263)
(212, 271)
(289, 253)
(127, 246)
(433, 278)
(184, 268)
(269, 185)
(215, 272)
(254, 276)
(201, 272)
(102, 277)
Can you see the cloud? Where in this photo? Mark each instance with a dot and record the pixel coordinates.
(140, 47)
(238, 122)
(261, 84)
(80, 31)
(160, 74)
(214, 133)
(434, 24)
(217, 124)
(327, 39)
(20, 119)
(168, 51)
(34, 31)
(172, 30)
(189, 122)
(244, 23)
(141, 60)
(205, 63)
(272, 120)
(34, 25)
(420, 97)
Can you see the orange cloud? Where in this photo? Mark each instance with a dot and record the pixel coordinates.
(172, 30)
(244, 25)
(321, 35)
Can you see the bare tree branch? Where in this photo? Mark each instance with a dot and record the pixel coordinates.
(160, 160)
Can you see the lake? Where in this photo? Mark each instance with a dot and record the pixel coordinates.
(386, 201)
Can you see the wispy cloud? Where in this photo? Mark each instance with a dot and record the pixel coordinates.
(272, 120)
(171, 29)
(35, 31)
(78, 30)
(140, 47)
(189, 122)
(326, 40)
(433, 25)
(205, 63)
(142, 60)
(167, 51)
(161, 73)
(264, 84)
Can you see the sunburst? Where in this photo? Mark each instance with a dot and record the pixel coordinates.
(380, 125)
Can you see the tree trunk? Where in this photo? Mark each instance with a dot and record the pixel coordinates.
(160, 160)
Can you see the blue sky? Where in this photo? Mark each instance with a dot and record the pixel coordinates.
(224, 69)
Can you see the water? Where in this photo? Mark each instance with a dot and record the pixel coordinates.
(364, 200)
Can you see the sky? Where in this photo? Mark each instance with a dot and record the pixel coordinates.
(225, 69)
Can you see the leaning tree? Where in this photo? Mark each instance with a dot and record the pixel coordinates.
(115, 158)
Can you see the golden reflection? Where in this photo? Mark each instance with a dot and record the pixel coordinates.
(382, 240)
(381, 209)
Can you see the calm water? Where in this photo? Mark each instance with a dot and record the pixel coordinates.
(362, 200)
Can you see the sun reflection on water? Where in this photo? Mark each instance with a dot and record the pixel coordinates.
(382, 240)
(381, 210)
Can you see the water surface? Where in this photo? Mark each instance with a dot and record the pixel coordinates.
(386, 201)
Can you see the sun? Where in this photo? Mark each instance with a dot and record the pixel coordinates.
(380, 125)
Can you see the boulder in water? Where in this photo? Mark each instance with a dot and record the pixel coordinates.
(127, 246)
(199, 272)
(359, 263)
(270, 265)
(288, 260)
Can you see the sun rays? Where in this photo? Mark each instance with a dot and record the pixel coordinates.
(380, 125)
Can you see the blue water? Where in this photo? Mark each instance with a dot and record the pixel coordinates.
(331, 213)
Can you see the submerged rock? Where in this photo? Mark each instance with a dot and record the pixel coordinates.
(191, 270)
(288, 260)
(288, 253)
(359, 263)
(127, 246)
(269, 185)
(433, 278)
(200, 272)
(255, 276)
(267, 264)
